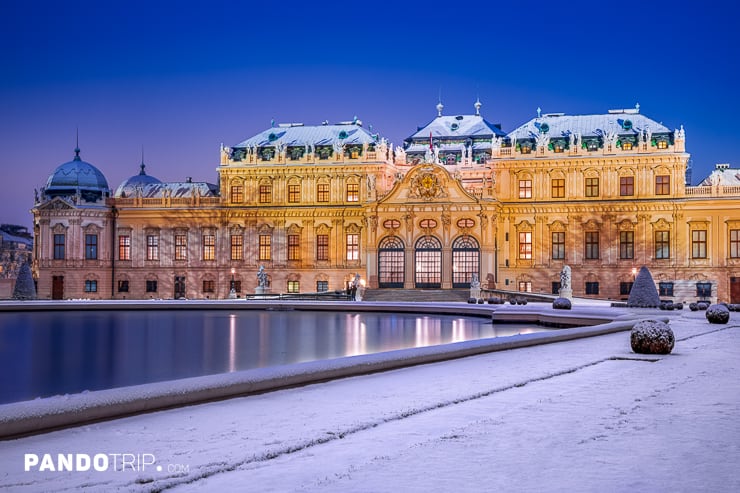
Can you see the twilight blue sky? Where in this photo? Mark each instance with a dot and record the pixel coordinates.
(179, 78)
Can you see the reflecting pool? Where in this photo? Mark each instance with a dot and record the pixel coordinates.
(49, 353)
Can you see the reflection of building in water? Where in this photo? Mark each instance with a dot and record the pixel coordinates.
(315, 204)
(15, 250)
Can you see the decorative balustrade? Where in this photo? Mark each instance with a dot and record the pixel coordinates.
(714, 191)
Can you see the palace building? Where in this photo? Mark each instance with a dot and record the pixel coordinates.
(317, 204)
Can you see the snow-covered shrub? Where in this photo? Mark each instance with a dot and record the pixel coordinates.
(678, 306)
(521, 301)
(702, 305)
(480, 301)
(718, 314)
(644, 294)
(561, 304)
(512, 300)
(693, 307)
(652, 337)
(472, 301)
(25, 289)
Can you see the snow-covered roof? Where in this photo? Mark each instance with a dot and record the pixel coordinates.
(560, 125)
(456, 127)
(302, 135)
(11, 238)
(723, 175)
(447, 148)
(178, 189)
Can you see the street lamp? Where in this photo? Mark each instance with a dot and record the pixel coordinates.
(634, 273)
(232, 291)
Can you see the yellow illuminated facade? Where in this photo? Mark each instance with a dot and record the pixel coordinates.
(316, 205)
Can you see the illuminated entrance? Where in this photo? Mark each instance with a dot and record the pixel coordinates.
(465, 261)
(391, 263)
(428, 263)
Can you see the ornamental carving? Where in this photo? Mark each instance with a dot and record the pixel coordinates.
(426, 185)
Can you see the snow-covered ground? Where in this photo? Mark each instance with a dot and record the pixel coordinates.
(584, 415)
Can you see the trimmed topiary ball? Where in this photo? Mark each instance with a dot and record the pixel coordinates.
(693, 307)
(561, 304)
(652, 337)
(702, 305)
(472, 301)
(718, 314)
(678, 306)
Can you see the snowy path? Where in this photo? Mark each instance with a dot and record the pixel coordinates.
(582, 415)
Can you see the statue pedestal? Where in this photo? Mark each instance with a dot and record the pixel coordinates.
(567, 293)
(475, 292)
(259, 290)
(232, 294)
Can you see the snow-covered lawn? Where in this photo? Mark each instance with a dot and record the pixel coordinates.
(584, 415)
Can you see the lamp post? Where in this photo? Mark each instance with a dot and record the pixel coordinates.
(634, 273)
(232, 290)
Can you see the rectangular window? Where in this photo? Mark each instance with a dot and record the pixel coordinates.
(265, 194)
(209, 286)
(699, 244)
(181, 247)
(152, 247)
(322, 247)
(704, 289)
(525, 189)
(237, 286)
(525, 286)
(294, 193)
(662, 144)
(123, 286)
(558, 245)
(525, 245)
(294, 247)
(592, 288)
(151, 286)
(665, 289)
(555, 287)
(265, 247)
(734, 243)
(626, 146)
(237, 194)
(592, 187)
(558, 188)
(322, 192)
(353, 247)
(294, 287)
(626, 245)
(353, 192)
(91, 286)
(124, 247)
(592, 245)
(58, 247)
(209, 247)
(91, 247)
(626, 185)
(237, 244)
(625, 288)
(322, 286)
(662, 244)
(662, 185)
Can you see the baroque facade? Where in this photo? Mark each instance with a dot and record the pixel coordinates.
(316, 205)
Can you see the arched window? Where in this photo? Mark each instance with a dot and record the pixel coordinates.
(465, 261)
(391, 264)
(428, 263)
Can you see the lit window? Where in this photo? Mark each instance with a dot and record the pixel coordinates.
(627, 146)
(525, 189)
(558, 245)
(353, 247)
(525, 286)
(58, 247)
(209, 247)
(662, 144)
(265, 194)
(322, 192)
(592, 187)
(237, 244)
(662, 244)
(525, 245)
(322, 247)
(699, 244)
(626, 185)
(662, 185)
(462, 223)
(181, 247)
(237, 194)
(294, 247)
(265, 247)
(91, 247)
(353, 192)
(626, 245)
(558, 188)
(592, 245)
(525, 148)
(294, 287)
(124, 247)
(294, 193)
(152, 247)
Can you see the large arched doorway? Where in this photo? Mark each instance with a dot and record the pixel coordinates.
(428, 263)
(391, 264)
(465, 261)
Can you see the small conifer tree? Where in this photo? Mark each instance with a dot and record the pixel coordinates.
(644, 293)
(25, 289)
